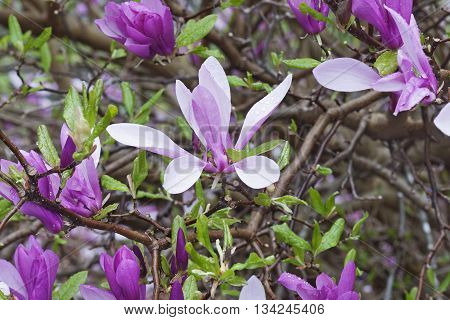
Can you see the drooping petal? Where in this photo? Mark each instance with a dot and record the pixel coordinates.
(347, 280)
(308, 292)
(258, 172)
(11, 277)
(442, 121)
(68, 146)
(127, 276)
(176, 293)
(182, 173)
(345, 75)
(51, 220)
(93, 293)
(253, 290)
(290, 281)
(261, 111)
(145, 138)
(391, 83)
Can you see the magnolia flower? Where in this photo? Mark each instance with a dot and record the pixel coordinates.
(253, 290)
(442, 121)
(34, 273)
(145, 28)
(178, 267)
(414, 83)
(207, 109)
(48, 188)
(123, 275)
(375, 13)
(326, 288)
(308, 23)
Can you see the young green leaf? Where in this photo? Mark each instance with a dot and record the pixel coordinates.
(263, 199)
(386, 63)
(128, 98)
(238, 155)
(190, 289)
(285, 235)
(235, 81)
(302, 64)
(15, 32)
(140, 170)
(178, 222)
(331, 238)
(317, 236)
(46, 146)
(103, 213)
(285, 156)
(42, 38)
(194, 31)
(357, 227)
(94, 99)
(203, 234)
(254, 261)
(143, 115)
(70, 288)
(46, 57)
(111, 184)
(205, 52)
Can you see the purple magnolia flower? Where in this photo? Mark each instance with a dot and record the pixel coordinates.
(145, 28)
(375, 13)
(48, 188)
(207, 109)
(415, 82)
(442, 121)
(69, 147)
(326, 288)
(34, 273)
(178, 267)
(253, 290)
(82, 193)
(308, 23)
(123, 275)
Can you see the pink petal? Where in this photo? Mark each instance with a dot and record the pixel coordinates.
(261, 111)
(345, 74)
(257, 172)
(182, 173)
(391, 83)
(145, 138)
(442, 121)
(93, 293)
(253, 290)
(184, 97)
(11, 277)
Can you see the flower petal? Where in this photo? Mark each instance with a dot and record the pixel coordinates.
(345, 74)
(347, 280)
(351, 295)
(391, 83)
(290, 281)
(258, 172)
(93, 293)
(182, 173)
(145, 138)
(11, 277)
(261, 111)
(442, 121)
(324, 280)
(253, 290)
(176, 293)
(127, 276)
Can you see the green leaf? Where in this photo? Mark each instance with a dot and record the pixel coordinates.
(254, 261)
(386, 63)
(118, 53)
(205, 52)
(230, 278)
(111, 184)
(357, 227)
(411, 295)
(331, 238)
(445, 284)
(231, 3)
(235, 81)
(190, 289)
(285, 235)
(302, 64)
(263, 199)
(221, 217)
(143, 115)
(70, 288)
(203, 234)
(42, 38)
(227, 237)
(5, 207)
(323, 171)
(46, 57)
(128, 98)
(350, 256)
(74, 116)
(46, 146)
(290, 200)
(184, 127)
(200, 194)
(238, 155)
(140, 170)
(15, 32)
(305, 9)
(103, 213)
(178, 222)
(317, 236)
(194, 31)
(285, 156)
(207, 264)
(94, 99)
(315, 201)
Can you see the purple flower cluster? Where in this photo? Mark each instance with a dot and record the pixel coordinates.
(307, 22)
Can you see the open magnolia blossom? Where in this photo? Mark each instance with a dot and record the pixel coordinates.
(442, 121)
(414, 83)
(253, 290)
(207, 109)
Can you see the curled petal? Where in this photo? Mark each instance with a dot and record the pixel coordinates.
(324, 280)
(182, 173)
(346, 75)
(258, 172)
(253, 290)
(261, 111)
(442, 121)
(145, 138)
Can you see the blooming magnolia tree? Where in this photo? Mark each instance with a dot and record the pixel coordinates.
(228, 149)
